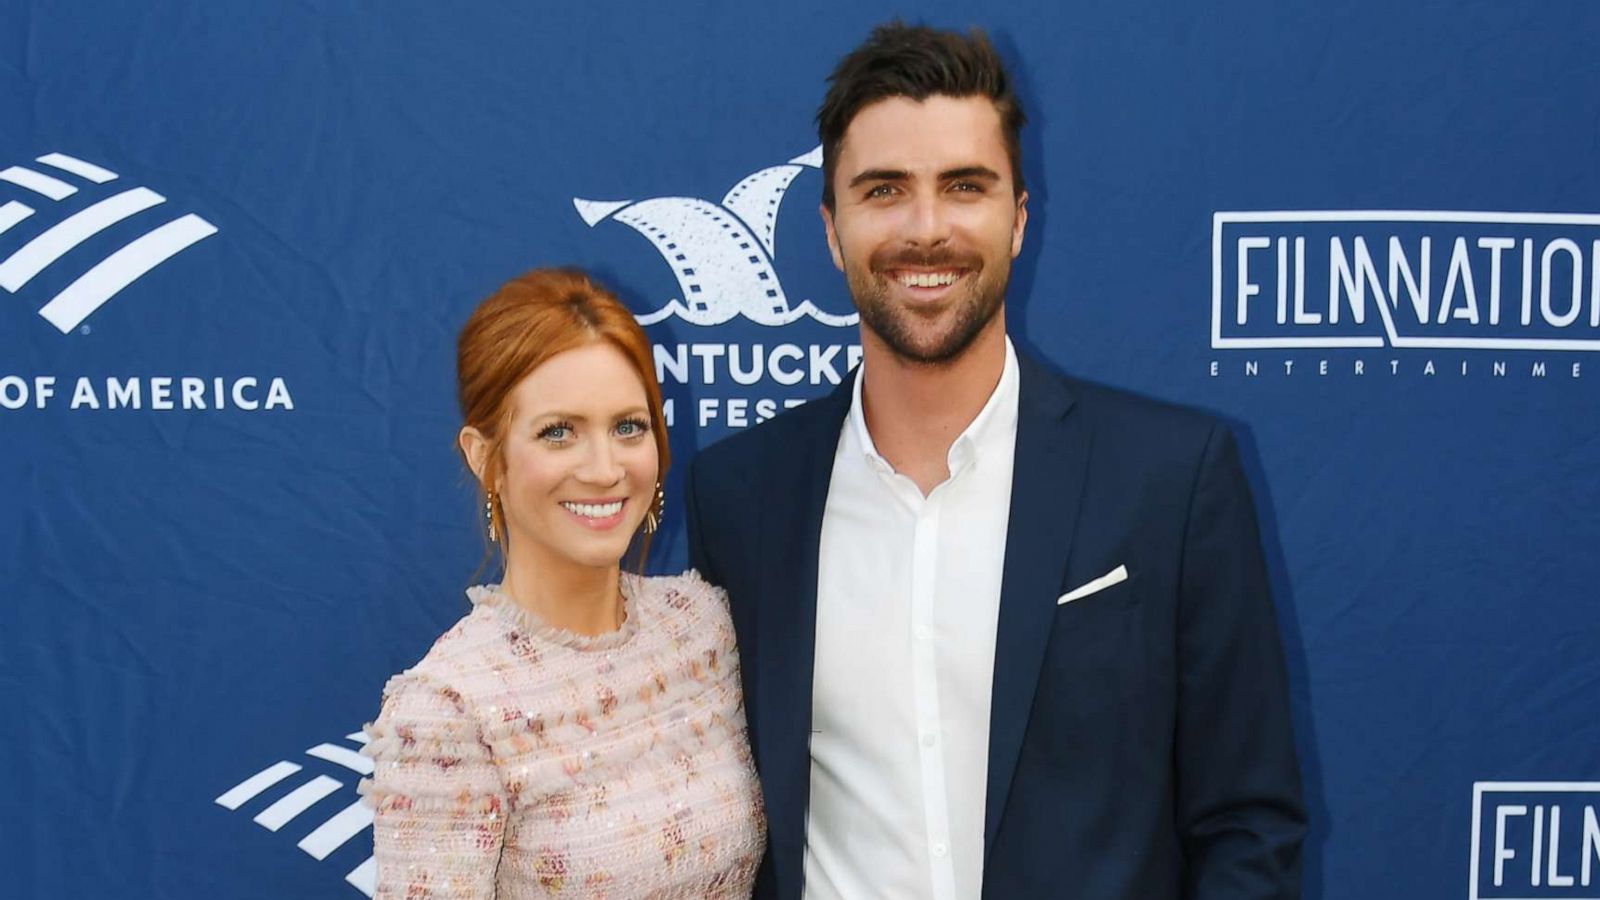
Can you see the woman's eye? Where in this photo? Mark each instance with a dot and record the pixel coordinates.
(631, 428)
(556, 433)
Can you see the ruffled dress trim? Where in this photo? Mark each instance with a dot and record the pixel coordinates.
(526, 620)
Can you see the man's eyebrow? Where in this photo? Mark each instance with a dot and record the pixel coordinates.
(980, 172)
(880, 175)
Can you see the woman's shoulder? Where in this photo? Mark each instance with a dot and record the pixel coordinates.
(466, 651)
(432, 719)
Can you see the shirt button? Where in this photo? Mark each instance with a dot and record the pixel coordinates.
(923, 633)
(940, 849)
(928, 740)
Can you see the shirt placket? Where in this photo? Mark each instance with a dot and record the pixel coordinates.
(925, 680)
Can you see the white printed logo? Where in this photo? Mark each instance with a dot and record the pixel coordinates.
(334, 832)
(1535, 839)
(755, 351)
(1437, 280)
(722, 254)
(1429, 292)
(106, 278)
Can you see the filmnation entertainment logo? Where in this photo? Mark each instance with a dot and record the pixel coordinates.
(1535, 839)
(1444, 280)
(1449, 284)
(111, 274)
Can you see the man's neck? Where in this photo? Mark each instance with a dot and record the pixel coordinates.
(915, 411)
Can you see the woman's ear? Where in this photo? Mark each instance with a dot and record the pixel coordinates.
(475, 447)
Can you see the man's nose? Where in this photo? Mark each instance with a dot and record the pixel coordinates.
(928, 222)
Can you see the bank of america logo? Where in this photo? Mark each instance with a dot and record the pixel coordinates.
(722, 253)
(291, 793)
(106, 278)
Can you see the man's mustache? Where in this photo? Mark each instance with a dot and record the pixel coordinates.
(946, 258)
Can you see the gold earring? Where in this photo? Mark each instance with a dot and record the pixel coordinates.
(488, 516)
(652, 519)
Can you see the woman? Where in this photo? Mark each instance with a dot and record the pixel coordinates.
(579, 732)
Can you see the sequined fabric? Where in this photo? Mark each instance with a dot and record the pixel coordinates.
(517, 760)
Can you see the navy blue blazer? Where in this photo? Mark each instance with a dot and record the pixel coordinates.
(1139, 743)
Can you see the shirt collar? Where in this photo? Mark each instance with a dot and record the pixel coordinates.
(997, 419)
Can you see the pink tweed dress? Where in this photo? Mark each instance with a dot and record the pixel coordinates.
(517, 760)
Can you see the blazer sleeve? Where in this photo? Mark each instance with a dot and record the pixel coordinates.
(1239, 808)
(699, 553)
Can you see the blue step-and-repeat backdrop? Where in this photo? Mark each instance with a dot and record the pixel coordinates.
(237, 240)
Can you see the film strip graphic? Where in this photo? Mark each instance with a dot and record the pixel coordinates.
(721, 253)
(331, 833)
(107, 277)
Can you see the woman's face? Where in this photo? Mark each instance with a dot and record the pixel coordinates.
(580, 462)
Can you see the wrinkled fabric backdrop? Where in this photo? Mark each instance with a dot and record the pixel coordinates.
(237, 240)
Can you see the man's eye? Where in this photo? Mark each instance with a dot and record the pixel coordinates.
(967, 187)
(882, 190)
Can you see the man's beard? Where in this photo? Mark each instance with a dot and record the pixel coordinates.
(975, 307)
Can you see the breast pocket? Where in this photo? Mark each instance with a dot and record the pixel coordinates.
(1104, 648)
(1111, 579)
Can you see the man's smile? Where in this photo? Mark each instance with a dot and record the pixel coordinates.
(939, 278)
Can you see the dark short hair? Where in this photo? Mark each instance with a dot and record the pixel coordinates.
(914, 61)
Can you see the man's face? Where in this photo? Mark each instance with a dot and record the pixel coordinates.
(926, 222)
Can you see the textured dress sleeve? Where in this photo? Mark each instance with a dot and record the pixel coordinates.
(439, 806)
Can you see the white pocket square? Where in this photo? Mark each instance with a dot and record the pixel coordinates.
(1115, 576)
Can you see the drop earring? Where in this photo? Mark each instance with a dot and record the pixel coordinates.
(652, 519)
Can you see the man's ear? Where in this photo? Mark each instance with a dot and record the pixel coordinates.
(1019, 225)
(833, 237)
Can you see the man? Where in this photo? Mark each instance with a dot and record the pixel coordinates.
(1002, 633)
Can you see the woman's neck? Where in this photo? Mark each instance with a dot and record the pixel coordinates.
(579, 599)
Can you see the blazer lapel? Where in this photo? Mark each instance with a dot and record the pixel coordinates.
(1047, 485)
(787, 625)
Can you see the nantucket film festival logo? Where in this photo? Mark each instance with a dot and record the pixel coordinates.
(1404, 293)
(62, 203)
(723, 257)
(1535, 839)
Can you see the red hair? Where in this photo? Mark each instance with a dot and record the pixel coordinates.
(530, 319)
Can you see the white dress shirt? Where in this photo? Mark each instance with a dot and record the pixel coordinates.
(908, 597)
